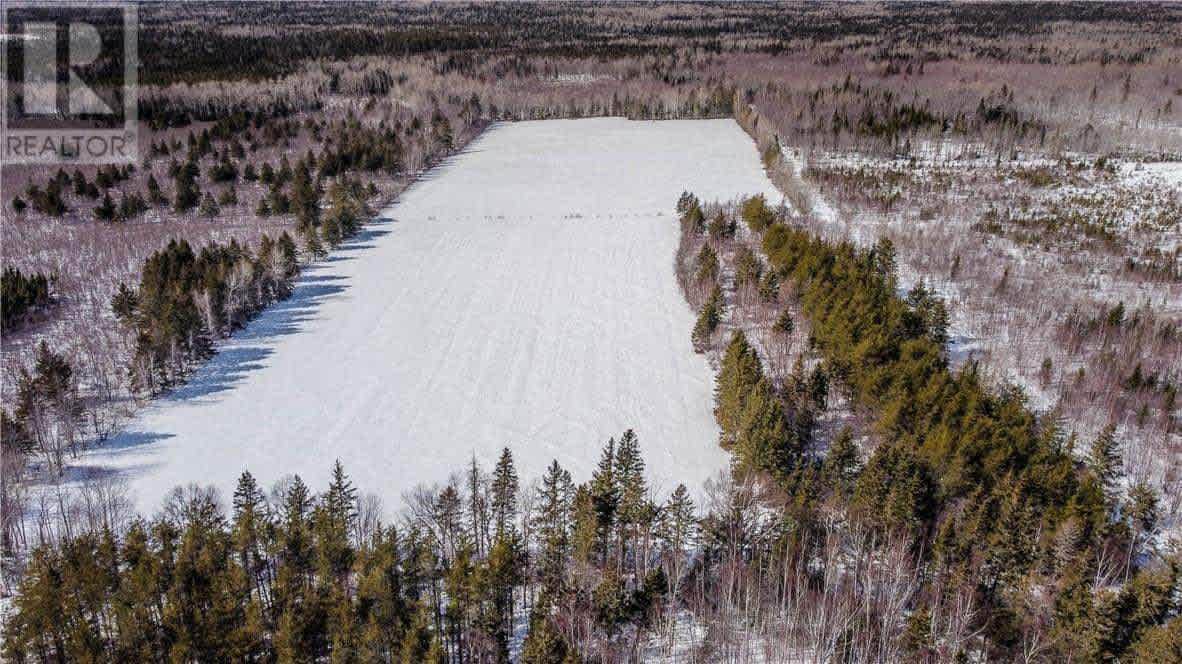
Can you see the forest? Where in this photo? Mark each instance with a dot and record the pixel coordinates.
(947, 361)
(970, 528)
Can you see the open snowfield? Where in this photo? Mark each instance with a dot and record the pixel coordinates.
(520, 295)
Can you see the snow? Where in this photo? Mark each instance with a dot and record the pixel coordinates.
(520, 295)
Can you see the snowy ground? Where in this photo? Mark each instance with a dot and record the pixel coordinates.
(522, 294)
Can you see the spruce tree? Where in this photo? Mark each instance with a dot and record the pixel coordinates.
(504, 495)
(341, 498)
(634, 511)
(678, 531)
(552, 525)
(708, 320)
(188, 195)
(105, 211)
(738, 375)
(249, 523)
(841, 463)
(155, 196)
(1104, 460)
(543, 643)
(764, 440)
(305, 197)
(706, 266)
(605, 499)
(209, 207)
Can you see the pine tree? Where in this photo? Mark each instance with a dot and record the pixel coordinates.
(105, 211)
(155, 196)
(634, 511)
(605, 499)
(312, 244)
(289, 266)
(841, 463)
(1159, 645)
(79, 183)
(1011, 547)
(764, 440)
(708, 321)
(543, 644)
(500, 574)
(738, 375)
(341, 498)
(187, 192)
(249, 521)
(209, 207)
(757, 214)
(692, 220)
(449, 516)
(305, 197)
(343, 632)
(552, 525)
(884, 260)
(818, 389)
(504, 495)
(706, 266)
(784, 324)
(1104, 460)
(678, 530)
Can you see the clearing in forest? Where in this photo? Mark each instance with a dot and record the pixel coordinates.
(521, 295)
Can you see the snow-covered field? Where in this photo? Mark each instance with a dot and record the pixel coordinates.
(521, 295)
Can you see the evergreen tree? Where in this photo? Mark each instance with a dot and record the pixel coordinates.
(552, 525)
(605, 498)
(504, 495)
(543, 643)
(1104, 460)
(634, 512)
(105, 211)
(706, 266)
(764, 440)
(305, 197)
(209, 207)
(678, 531)
(312, 244)
(841, 463)
(341, 498)
(155, 196)
(756, 213)
(250, 521)
(708, 320)
(187, 192)
(738, 375)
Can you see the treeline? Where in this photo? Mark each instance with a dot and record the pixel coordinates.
(294, 576)
(980, 505)
(310, 32)
(969, 533)
(876, 117)
(185, 299)
(20, 295)
(981, 488)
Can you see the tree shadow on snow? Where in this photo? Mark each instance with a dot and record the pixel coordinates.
(129, 441)
(245, 352)
(232, 363)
